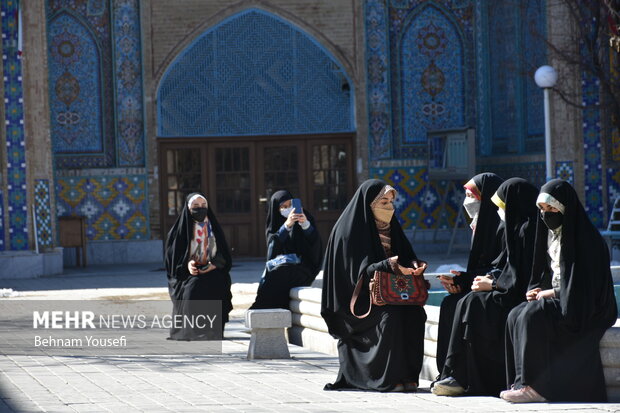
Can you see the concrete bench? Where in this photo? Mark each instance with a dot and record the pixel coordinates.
(309, 330)
(268, 340)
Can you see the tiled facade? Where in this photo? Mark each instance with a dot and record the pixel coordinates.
(97, 114)
(423, 65)
(16, 195)
(115, 207)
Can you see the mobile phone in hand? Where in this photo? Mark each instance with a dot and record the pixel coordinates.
(296, 202)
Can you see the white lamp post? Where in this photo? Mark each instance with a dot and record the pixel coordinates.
(545, 78)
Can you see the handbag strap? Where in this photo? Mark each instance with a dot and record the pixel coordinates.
(356, 293)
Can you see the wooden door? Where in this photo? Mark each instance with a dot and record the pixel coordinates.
(330, 179)
(231, 177)
(182, 171)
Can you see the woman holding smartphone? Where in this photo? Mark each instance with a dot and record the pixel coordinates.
(383, 351)
(294, 251)
(198, 262)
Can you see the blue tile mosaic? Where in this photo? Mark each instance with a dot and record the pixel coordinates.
(419, 59)
(418, 203)
(14, 127)
(128, 81)
(81, 79)
(115, 207)
(43, 212)
(593, 181)
(254, 74)
(564, 170)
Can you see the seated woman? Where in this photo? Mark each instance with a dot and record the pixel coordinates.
(384, 351)
(475, 361)
(198, 262)
(552, 339)
(293, 241)
(485, 254)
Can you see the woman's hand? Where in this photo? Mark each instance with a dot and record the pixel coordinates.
(293, 217)
(419, 267)
(191, 266)
(532, 294)
(541, 295)
(396, 266)
(448, 282)
(482, 283)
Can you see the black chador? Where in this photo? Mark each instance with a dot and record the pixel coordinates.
(552, 344)
(205, 243)
(304, 243)
(384, 350)
(486, 254)
(476, 352)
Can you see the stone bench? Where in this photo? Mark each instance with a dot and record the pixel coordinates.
(309, 330)
(268, 340)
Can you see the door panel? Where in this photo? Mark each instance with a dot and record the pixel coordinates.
(230, 174)
(182, 174)
(331, 181)
(239, 175)
(280, 166)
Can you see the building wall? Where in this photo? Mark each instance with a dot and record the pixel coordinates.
(167, 31)
(97, 116)
(415, 65)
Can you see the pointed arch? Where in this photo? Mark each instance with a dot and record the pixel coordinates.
(75, 79)
(432, 73)
(254, 73)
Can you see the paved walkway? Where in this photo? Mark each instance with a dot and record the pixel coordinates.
(207, 383)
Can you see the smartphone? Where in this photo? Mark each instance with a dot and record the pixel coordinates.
(203, 267)
(296, 202)
(449, 275)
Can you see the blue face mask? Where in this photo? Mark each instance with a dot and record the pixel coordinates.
(286, 212)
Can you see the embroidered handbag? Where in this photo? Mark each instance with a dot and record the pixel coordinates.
(394, 289)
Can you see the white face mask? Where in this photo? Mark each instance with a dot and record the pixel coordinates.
(286, 212)
(472, 206)
(502, 214)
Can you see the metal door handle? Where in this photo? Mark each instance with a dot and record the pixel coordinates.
(262, 200)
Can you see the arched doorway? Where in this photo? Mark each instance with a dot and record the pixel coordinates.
(251, 106)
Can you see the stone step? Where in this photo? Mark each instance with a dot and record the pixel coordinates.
(310, 331)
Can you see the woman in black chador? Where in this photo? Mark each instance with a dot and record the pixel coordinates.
(475, 362)
(383, 351)
(485, 255)
(552, 340)
(294, 252)
(198, 262)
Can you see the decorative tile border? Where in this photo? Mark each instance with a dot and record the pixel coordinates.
(43, 212)
(592, 151)
(377, 67)
(14, 127)
(128, 81)
(2, 233)
(115, 207)
(564, 170)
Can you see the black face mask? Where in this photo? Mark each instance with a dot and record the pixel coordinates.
(552, 220)
(198, 214)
